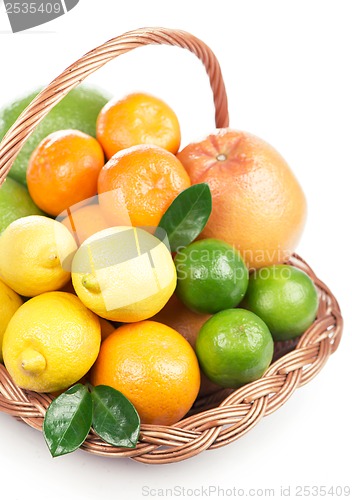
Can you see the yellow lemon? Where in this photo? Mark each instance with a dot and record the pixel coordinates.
(9, 303)
(124, 274)
(51, 342)
(35, 255)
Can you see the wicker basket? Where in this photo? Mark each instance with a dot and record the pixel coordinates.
(223, 417)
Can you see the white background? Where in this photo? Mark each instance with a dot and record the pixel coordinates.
(287, 68)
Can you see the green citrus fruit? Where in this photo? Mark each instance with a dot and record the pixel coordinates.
(285, 298)
(15, 202)
(211, 276)
(234, 347)
(78, 110)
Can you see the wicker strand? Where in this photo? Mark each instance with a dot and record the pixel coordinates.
(95, 59)
(222, 417)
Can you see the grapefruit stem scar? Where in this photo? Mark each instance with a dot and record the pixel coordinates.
(221, 157)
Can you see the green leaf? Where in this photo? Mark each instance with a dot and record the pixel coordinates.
(115, 419)
(68, 420)
(187, 215)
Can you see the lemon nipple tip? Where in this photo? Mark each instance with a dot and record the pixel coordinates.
(33, 361)
(90, 282)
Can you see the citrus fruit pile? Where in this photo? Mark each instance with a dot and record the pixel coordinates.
(128, 264)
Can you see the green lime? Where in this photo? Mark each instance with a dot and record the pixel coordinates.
(234, 347)
(285, 298)
(78, 110)
(15, 202)
(211, 276)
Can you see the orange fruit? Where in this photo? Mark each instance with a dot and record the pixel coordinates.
(63, 170)
(68, 288)
(137, 119)
(258, 204)
(106, 328)
(139, 184)
(188, 323)
(153, 366)
(85, 221)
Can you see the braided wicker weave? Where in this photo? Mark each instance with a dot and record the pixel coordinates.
(225, 416)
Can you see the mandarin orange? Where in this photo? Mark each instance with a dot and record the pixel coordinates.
(188, 323)
(153, 366)
(106, 328)
(137, 119)
(85, 221)
(138, 184)
(63, 170)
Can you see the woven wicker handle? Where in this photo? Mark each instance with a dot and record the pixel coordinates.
(95, 59)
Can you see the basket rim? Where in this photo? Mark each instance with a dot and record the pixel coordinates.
(218, 420)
